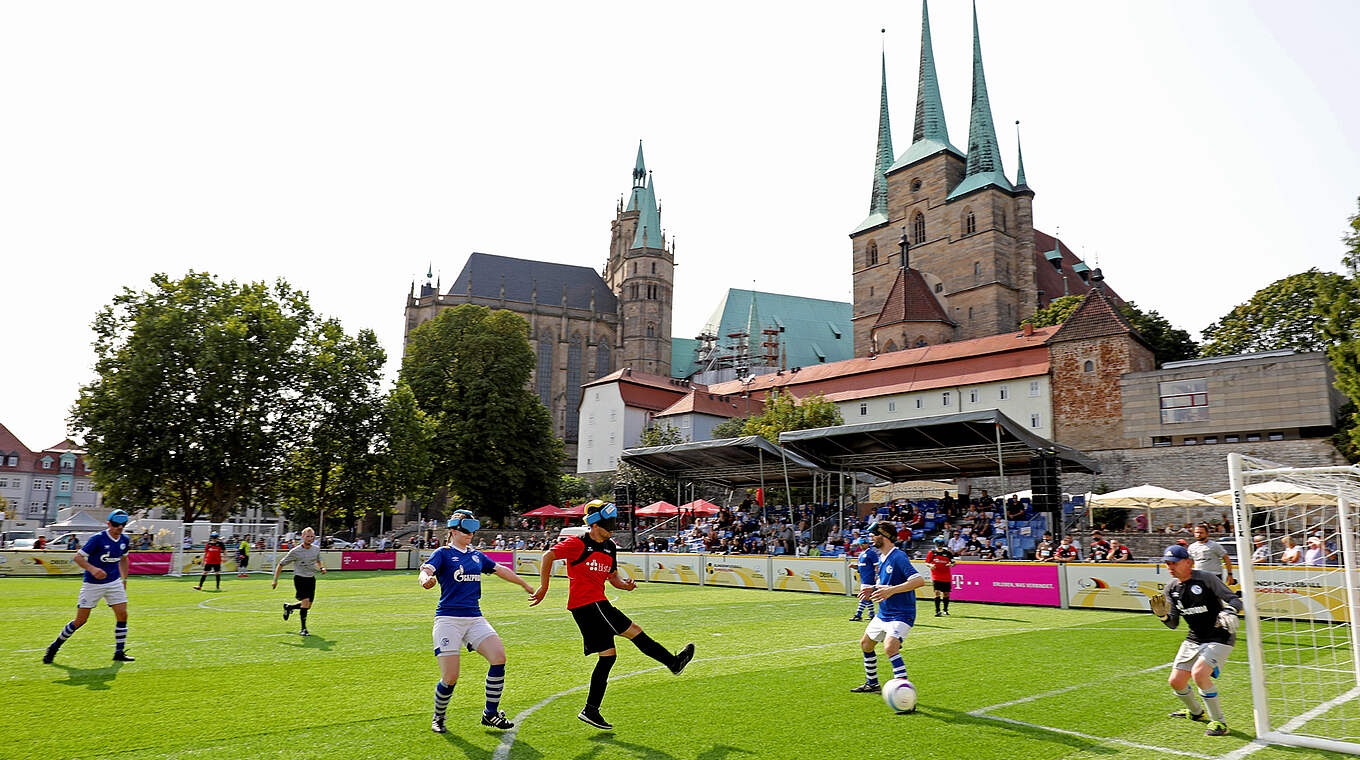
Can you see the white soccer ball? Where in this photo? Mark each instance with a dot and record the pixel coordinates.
(900, 695)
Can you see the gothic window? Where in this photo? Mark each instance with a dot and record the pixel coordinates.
(651, 330)
(603, 365)
(1089, 366)
(915, 185)
(543, 376)
(574, 386)
(653, 267)
(632, 291)
(890, 347)
(918, 228)
(977, 271)
(871, 252)
(969, 222)
(970, 312)
(921, 341)
(634, 267)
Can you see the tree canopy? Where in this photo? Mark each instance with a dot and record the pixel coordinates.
(200, 384)
(730, 428)
(492, 448)
(784, 412)
(1168, 342)
(1287, 313)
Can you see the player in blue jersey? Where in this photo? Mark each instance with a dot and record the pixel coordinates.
(868, 574)
(458, 621)
(105, 561)
(895, 592)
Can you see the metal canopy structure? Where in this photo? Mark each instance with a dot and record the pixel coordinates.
(968, 444)
(747, 462)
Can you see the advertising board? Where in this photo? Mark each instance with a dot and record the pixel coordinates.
(38, 562)
(738, 571)
(368, 560)
(675, 568)
(1005, 582)
(150, 563)
(1113, 586)
(632, 566)
(822, 576)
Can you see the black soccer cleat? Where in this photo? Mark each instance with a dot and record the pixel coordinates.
(287, 611)
(437, 726)
(123, 657)
(304, 632)
(592, 716)
(1198, 717)
(868, 687)
(682, 659)
(496, 720)
(856, 619)
(49, 655)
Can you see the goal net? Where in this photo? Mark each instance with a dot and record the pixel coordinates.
(1297, 550)
(261, 539)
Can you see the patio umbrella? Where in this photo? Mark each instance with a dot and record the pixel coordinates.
(702, 507)
(1147, 497)
(547, 510)
(1279, 493)
(658, 508)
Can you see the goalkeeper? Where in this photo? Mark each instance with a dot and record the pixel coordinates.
(1210, 611)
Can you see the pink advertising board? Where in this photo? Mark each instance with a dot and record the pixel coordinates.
(150, 563)
(1004, 582)
(503, 558)
(365, 560)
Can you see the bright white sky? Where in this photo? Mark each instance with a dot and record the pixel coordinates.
(1201, 149)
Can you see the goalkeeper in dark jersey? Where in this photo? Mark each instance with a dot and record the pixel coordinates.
(1210, 611)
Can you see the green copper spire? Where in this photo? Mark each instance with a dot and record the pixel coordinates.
(878, 204)
(1019, 158)
(639, 182)
(648, 233)
(984, 157)
(929, 135)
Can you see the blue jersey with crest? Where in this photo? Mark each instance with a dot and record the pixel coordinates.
(104, 551)
(868, 566)
(895, 568)
(460, 580)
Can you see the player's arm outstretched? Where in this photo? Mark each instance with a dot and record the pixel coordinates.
(1164, 610)
(427, 579)
(880, 593)
(544, 577)
(504, 572)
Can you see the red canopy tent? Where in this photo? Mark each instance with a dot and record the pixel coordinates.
(656, 509)
(573, 511)
(548, 510)
(702, 507)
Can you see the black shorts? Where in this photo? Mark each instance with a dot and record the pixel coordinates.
(600, 622)
(304, 588)
(242, 561)
(942, 585)
(213, 568)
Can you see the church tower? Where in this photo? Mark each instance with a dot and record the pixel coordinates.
(970, 230)
(641, 272)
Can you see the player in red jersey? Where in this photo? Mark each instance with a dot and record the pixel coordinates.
(212, 561)
(940, 560)
(591, 560)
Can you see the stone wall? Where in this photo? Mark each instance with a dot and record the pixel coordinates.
(1088, 408)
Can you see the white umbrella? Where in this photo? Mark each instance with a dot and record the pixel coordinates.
(1275, 494)
(1148, 497)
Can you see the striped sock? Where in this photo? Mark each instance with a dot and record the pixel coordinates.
(899, 667)
(863, 605)
(119, 636)
(871, 667)
(64, 635)
(442, 694)
(1188, 698)
(1211, 702)
(495, 682)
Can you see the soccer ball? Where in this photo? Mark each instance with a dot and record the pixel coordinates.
(900, 695)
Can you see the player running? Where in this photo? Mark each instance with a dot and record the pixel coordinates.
(212, 560)
(591, 560)
(868, 572)
(1210, 611)
(941, 560)
(458, 621)
(306, 559)
(895, 593)
(105, 561)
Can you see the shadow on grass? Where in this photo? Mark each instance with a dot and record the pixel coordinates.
(523, 749)
(957, 718)
(94, 679)
(310, 642)
(640, 751)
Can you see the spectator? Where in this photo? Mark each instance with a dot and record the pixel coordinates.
(1014, 509)
(1315, 555)
(1043, 551)
(1119, 552)
(957, 542)
(1066, 552)
(1291, 555)
(41, 543)
(1140, 522)
(1099, 548)
(1260, 555)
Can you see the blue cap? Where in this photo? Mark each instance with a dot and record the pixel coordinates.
(118, 517)
(1174, 553)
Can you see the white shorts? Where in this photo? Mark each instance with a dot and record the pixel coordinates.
(1214, 654)
(878, 629)
(112, 592)
(451, 633)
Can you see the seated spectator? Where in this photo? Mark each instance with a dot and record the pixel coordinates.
(1119, 552)
(1043, 552)
(957, 542)
(973, 547)
(1066, 552)
(1291, 554)
(1260, 555)
(1099, 548)
(1014, 509)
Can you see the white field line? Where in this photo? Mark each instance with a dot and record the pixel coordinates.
(981, 710)
(1294, 724)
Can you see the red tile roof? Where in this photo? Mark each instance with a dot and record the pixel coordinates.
(703, 402)
(910, 300)
(10, 444)
(643, 390)
(995, 356)
(627, 374)
(1048, 279)
(1096, 317)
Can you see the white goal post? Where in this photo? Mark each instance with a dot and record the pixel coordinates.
(264, 546)
(1302, 596)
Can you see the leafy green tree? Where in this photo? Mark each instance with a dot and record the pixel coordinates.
(643, 487)
(575, 489)
(199, 383)
(1287, 313)
(731, 428)
(493, 446)
(1168, 342)
(1351, 258)
(784, 412)
(1339, 303)
(1056, 312)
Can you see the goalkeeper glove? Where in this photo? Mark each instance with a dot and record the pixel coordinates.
(1159, 606)
(1227, 620)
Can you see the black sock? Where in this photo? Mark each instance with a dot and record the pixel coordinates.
(598, 679)
(302, 612)
(647, 646)
(293, 606)
(937, 605)
(218, 578)
(946, 602)
(203, 578)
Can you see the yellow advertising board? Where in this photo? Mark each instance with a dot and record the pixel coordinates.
(822, 576)
(1113, 586)
(38, 562)
(675, 568)
(632, 566)
(741, 572)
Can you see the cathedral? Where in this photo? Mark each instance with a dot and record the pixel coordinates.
(949, 250)
(581, 326)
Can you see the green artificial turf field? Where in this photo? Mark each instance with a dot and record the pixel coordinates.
(221, 675)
